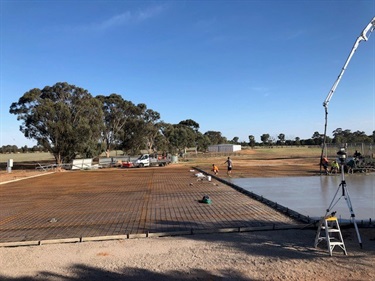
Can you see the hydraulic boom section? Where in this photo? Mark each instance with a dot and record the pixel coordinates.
(363, 37)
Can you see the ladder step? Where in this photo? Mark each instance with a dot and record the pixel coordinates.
(333, 230)
(329, 227)
(336, 243)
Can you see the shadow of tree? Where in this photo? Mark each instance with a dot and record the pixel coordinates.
(83, 272)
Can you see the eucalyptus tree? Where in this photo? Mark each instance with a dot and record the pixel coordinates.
(251, 140)
(342, 136)
(152, 125)
(194, 137)
(338, 136)
(215, 137)
(167, 131)
(190, 123)
(202, 141)
(161, 143)
(117, 112)
(235, 140)
(178, 136)
(265, 138)
(281, 138)
(64, 119)
(141, 130)
(132, 140)
(184, 136)
(317, 138)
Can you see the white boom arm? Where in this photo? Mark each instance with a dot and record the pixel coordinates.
(368, 29)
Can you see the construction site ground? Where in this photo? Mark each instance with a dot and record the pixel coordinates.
(49, 207)
(130, 202)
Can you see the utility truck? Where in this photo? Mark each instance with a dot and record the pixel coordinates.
(148, 160)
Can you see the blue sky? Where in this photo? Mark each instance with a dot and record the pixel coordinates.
(239, 67)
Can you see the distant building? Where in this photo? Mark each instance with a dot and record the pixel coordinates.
(224, 148)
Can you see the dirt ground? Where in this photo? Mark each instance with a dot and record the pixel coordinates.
(260, 255)
(263, 255)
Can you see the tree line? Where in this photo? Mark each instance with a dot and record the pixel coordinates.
(340, 136)
(68, 121)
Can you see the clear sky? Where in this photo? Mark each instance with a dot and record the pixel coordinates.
(239, 67)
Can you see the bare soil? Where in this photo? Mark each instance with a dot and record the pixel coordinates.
(261, 255)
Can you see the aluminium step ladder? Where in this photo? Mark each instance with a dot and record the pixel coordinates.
(329, 231)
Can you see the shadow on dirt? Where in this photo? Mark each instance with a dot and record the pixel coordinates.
(274, 246)
(83, 272)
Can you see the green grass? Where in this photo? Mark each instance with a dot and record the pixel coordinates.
(41, 156)
(27, 157)
(285, 152)
(276, 152)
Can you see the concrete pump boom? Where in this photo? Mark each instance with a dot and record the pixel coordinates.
(363, 37)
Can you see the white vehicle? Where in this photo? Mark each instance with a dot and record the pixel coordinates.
(146, 160)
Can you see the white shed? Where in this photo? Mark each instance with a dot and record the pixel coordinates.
(224, 148)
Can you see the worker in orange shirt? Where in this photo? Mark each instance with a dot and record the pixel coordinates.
(215, 169)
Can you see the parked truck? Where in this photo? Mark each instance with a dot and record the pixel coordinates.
(148, 160)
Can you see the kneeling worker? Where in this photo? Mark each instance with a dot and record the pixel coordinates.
(215, 169)
(334, 167)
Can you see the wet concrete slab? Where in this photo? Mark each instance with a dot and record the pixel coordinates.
(126, 203)
(311, 196)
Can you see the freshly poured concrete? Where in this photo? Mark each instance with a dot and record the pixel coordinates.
(311, 196)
